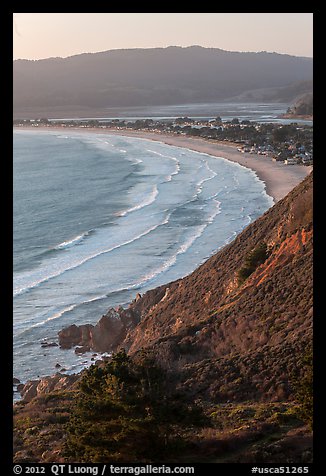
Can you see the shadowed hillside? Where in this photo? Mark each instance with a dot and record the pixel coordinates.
(303, 106)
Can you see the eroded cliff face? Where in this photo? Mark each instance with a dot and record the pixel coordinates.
(228, 339)
(232, 340)
(223, 340)
(107, 333)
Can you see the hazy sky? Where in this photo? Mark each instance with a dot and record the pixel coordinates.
(44, 35)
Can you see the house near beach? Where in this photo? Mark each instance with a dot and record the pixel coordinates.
(307, 159)
(291, 161)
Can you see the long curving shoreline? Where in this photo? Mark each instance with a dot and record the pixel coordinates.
(279, 179)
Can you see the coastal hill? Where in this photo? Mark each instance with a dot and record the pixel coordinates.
(289, 93)
(303, 106)
(245, 316)
(153, 76)
(251, 302)
(235, 335)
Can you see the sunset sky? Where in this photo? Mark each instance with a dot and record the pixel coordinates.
(44, 35)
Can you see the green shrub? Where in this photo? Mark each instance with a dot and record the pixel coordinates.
(255, 258)
(303, 388)
(128, 410)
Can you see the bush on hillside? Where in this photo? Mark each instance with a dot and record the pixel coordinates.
(128, 411)
(255, 258)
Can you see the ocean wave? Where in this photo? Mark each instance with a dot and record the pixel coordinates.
(159, 153)
(69, 308)
(177, 167)
(63, 137)
(55, 316)
(74, 241)
(249, 220)
(199, 185)
(147, 201)
(175, 172)
(33, 280)
(58, 314)
(198, 231)
(173, 259)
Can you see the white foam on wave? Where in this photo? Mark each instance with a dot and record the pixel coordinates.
(147, 201)
(159, 153)
(175, 172)
(183, 248)
(58, 314)
(68, 309)
(249, 220)
(111, 144)
(173, 259)
(33, 280)
(74, 241)
(216, 212)
(55, 316)
(177, 167)
(199, 185)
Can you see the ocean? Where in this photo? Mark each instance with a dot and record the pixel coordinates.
(99, 218)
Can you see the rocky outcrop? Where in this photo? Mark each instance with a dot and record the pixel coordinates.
(237, 346)
(222, 336)
(57, 382)
(212, 289)
(74, 335)
(303, 106)
(48, 344)
(210, 327)
(104, 336)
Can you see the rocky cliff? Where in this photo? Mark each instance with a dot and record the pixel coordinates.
(303, 106)
(232, 339)
(234, 335)
(228, 336)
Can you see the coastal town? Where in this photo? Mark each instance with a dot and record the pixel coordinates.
(291, 144)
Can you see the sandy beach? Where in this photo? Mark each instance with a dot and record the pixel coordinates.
(279, 179)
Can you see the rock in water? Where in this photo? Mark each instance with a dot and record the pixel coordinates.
(105, 336)
(74, 335)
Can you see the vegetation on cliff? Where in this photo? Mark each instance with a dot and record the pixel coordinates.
(256, 257)
(152, 76)
(303, 106)
(250, 337)
(128, 410)
(237, 352)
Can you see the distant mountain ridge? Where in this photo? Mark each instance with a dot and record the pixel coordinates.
(153, 76)
(290, 93)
